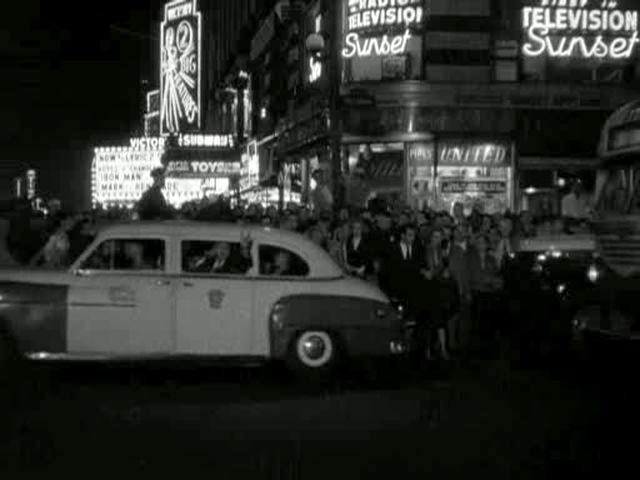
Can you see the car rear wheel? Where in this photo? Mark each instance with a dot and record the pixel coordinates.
(314, 354)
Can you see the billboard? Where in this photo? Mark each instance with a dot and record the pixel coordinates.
(586, 29)
(181, 68)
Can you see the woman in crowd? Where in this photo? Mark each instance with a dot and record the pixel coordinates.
(438, 293)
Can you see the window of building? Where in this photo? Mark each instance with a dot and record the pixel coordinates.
(407, 66)
(280, 262)
(128, 255)
(211, 257)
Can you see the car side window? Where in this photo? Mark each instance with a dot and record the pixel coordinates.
(127, 255)
(280, 262)
(216, 257)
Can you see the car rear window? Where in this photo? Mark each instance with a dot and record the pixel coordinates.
(131, 254)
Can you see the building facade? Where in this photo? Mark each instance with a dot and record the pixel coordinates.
(430, 102)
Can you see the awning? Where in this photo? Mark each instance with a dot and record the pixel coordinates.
(387, 168)
(557, 163)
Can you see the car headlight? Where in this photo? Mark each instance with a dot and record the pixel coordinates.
(594, 273)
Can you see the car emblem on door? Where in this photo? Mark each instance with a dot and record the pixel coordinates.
(216, 297)
(122, 294)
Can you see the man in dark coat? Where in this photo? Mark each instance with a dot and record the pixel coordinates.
(152, 204)
(406, 262)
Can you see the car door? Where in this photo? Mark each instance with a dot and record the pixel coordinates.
(121, 301)
(214, 310)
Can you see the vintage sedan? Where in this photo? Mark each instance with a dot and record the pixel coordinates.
(181, 290)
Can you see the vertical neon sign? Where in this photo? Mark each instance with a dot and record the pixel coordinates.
(180, 64)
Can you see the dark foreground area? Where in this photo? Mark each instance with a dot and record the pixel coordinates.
(478, 421)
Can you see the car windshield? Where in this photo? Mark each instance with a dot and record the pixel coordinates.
(618, 190)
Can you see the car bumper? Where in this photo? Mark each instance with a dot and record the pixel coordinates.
(376, 342)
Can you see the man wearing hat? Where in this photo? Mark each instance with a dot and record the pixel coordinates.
(152, 204)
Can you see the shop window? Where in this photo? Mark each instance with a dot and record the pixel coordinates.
(280, 262)
(127, 255)
(506, 70)
(375, 170)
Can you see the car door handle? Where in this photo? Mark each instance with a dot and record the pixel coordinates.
(163, 283)
(188, 284)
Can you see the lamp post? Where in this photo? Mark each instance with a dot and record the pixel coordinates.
(324, 48)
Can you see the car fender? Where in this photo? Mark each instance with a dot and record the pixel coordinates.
(360, 324)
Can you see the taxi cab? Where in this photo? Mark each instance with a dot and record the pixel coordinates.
(180, 290)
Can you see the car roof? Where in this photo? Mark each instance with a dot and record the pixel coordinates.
(321, 263)
(567, 243)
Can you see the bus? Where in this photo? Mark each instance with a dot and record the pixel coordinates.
(614, 310)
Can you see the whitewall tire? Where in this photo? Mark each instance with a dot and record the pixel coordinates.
(313, 353)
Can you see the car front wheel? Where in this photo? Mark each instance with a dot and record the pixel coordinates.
(314, 354)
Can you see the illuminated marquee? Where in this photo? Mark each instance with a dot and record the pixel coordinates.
(580, 28)
(180, 78)
(367, 16)
(121, 174)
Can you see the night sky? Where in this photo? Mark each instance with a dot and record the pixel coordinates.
(74, 80)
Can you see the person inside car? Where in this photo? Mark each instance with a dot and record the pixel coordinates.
(135, 257)
(282, 265)
(221, 259)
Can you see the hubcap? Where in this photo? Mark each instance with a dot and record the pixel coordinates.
(314, 348)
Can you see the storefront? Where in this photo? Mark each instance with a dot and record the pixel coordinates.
(434, 173)
(197, 166)
(475, 172)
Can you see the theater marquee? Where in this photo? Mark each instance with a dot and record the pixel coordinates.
(380, 27)
(588, 29)
(180, 62)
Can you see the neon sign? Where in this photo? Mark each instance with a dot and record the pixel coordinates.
(366, 16)
(212, 141)
(31, 184)
(474, 154)
(580, 28)
(180, 78)
(206, 169)
(315, 66)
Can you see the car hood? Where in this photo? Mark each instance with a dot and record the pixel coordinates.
(39, 276)
(355, 287)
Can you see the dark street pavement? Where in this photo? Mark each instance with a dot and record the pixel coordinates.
(480, 421)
